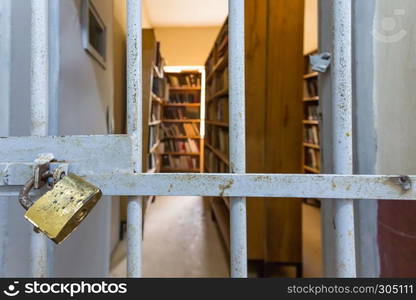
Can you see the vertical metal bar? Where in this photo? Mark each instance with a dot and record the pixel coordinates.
(39, 111)
(5, 70)
(345, 264)
(54, 72)
(54, 65)
(237, 135)
(135, 127)
(202, 117)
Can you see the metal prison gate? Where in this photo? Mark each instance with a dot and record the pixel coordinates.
(113, 162)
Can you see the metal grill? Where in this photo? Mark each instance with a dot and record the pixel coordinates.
(93, 156)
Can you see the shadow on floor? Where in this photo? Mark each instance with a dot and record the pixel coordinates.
(180, 240)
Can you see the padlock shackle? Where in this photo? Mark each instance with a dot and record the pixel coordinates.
(24, 195)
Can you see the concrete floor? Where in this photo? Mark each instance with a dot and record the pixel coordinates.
(180, 240)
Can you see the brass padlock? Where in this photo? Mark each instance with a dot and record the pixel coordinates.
(59, 212)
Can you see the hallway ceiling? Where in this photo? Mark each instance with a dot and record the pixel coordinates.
(186, 13)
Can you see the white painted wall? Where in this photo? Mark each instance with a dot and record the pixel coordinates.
(365, 133)
(85, 86)
(85, 89)
(5, 29)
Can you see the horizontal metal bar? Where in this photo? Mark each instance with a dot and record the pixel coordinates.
(252, 185)
(93, 154)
